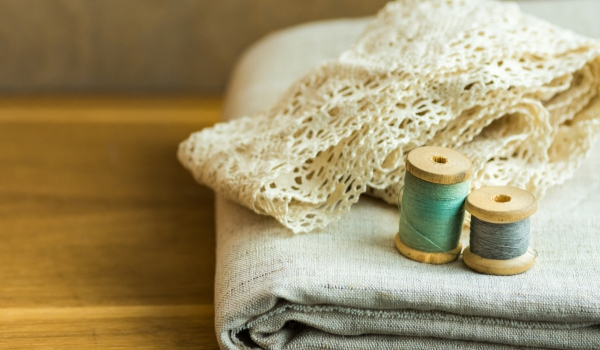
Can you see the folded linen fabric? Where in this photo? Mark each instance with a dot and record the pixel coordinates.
(347, 287)
(517, 95)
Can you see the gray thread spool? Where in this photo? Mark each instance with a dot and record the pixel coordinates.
(499, 241)
(500, 230)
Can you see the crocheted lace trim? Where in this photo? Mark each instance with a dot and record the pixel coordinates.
(516, 94)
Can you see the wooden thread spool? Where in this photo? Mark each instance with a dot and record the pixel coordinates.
(441, 166)
(500, 205)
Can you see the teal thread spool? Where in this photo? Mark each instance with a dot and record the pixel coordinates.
(432, 210)
(500, 230)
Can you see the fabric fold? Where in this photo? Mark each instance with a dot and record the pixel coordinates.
(291, 325)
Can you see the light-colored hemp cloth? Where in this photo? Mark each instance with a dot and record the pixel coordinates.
(346, 286)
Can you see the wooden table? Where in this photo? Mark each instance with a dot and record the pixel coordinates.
(105, 240)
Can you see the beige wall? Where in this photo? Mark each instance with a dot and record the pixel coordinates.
(62, 46)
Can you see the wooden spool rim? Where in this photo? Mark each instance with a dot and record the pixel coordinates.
(499, 267)
(439, 165)
(425, 257)
(501, 204)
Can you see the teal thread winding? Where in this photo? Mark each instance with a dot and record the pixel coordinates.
(432, 215)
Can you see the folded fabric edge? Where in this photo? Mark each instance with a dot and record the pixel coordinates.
(302, 325)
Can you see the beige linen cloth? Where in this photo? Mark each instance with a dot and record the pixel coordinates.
(346, 286)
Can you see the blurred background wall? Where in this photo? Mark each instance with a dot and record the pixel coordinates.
(114, 46)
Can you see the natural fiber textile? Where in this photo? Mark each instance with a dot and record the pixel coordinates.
(346, 286)
(517, 95)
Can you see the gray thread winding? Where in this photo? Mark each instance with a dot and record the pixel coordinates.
(499, 241)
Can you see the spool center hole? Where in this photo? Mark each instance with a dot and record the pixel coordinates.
(439, 159)
(501, 198)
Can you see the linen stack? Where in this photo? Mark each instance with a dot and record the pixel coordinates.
(520, 100)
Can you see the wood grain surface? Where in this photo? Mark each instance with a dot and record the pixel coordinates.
(105, 240)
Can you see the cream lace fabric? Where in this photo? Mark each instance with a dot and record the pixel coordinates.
(517, 95)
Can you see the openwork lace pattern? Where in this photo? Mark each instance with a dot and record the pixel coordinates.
(516, 94)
